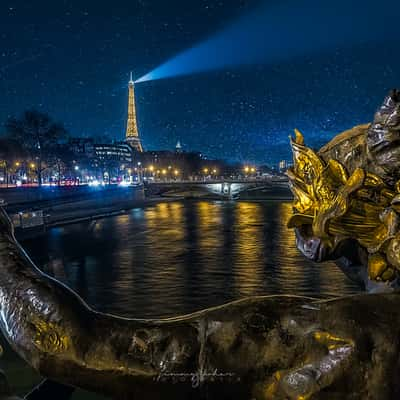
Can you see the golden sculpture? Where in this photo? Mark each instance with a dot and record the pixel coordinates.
(350, 190)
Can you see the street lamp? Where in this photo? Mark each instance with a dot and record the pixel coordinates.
(17, 167)
(32, 166)
(77, 177)
(139, 169)
(205, 170)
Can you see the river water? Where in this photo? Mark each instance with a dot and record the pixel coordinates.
(177, 257)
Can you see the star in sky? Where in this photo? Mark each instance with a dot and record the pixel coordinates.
(72, 59)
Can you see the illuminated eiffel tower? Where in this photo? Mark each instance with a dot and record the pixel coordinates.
(132, 133)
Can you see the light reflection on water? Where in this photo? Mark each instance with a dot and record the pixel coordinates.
(177, 257)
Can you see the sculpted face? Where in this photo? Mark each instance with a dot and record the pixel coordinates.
(389, 115)
(383, 137)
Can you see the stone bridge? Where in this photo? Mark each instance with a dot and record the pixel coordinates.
(223, 189)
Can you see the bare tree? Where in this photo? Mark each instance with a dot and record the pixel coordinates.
(39, 135)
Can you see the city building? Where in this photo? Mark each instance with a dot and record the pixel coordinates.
(81, 146)
(118, 152)
(132, 132)
(283, 165)
(178, 147)
(114, 151)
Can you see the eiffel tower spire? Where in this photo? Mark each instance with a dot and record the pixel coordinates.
(132, 133)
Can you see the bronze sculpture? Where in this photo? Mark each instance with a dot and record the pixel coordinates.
(268, 347)
(347, 198)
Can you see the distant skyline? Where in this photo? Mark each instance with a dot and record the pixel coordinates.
(72, 59)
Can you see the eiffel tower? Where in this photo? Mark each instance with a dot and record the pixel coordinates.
(132, 133)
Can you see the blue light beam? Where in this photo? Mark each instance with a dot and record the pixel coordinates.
(280, 32)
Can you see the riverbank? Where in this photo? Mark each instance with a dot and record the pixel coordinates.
(89, 210)
(83, 210)
(34, 217)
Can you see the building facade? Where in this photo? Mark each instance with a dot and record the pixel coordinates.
(118, 152)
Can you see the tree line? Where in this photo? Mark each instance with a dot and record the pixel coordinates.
(38, 146)
(36, 140)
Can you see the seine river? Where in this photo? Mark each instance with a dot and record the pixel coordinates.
(176, 257)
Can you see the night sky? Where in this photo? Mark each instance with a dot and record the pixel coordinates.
(72, 59)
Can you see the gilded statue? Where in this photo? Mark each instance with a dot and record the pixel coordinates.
(347, 199)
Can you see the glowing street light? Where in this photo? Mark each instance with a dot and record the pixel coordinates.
(164, 171)
(246, 169)
(151, 168)
(252, 169)
(205, 170)
(176, 172)
(17, 164)
(32, 165)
